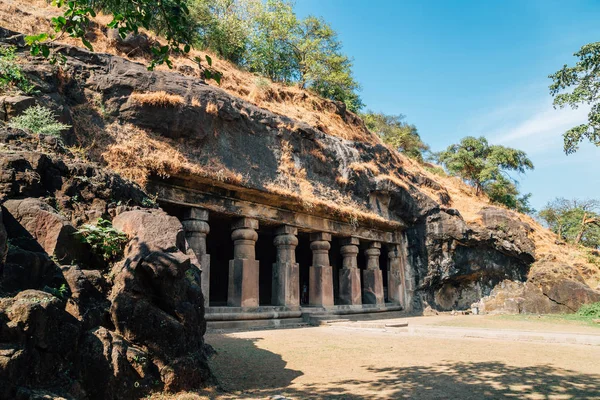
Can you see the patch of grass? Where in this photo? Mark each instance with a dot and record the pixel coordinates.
(552, 318)
(589, 310)
(364, 167)
(158, 99)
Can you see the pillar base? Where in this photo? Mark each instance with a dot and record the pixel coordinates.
(243, 283)
(372, 286)
(320, 287)
(286, 284)
(350, 286)
(205, 278)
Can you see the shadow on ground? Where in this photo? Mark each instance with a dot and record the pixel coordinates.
(489, 380)
(244, 370)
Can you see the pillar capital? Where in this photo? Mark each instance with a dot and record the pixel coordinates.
(320, 236)
(195, 226)
(195, 213)
(245, 223)
(375, 245)
(354, 241)
(286, 230)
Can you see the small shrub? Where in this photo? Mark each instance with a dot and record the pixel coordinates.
(105, 240)
(62, 292)
(11, 74)
(590, 310)
(38, 120)
(435, 170)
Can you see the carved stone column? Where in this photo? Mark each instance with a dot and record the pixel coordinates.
(286, 272)
(243, 269)
(372, 277)
(395, 276)
(320, 290)
(195, 224)
(350, 274)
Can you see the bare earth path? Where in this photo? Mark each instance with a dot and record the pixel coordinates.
(338, 362)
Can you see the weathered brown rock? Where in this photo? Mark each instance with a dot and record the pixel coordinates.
(11, 106)
(50, 230)
(157, 297)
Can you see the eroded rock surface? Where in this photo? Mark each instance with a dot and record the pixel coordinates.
(72, 325)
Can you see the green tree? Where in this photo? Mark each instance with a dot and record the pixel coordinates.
(322, 65)
(394, 131)
(269, 52)
(585, 77)
(486, 167)
(576, 221)
(224, 26)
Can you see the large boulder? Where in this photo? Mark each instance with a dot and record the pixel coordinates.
(551, 288)
(38, 339)
(157, 297)
(113, 368)
(34, 219)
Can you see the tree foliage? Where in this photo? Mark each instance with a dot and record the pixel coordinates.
(576, 221)
(168, 18)
(397, 133)
(585, 77)
(486, 167)
(269, 39)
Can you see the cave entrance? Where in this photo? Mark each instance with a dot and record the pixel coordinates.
(383, 265)
(220, 247)
(266, 254)
(335, 260)
(304, 259)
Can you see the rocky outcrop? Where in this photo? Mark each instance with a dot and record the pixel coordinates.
(552, 288)
(70, 324)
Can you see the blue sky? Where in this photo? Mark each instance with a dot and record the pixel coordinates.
(458, 68)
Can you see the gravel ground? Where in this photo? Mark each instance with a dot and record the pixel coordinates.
(333, 362)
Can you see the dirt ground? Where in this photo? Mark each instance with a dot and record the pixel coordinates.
(521, 322)
(336, 362)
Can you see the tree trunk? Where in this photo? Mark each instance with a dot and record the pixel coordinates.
(581, 230)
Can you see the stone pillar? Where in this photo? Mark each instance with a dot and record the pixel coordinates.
(195, 224)
(243, 269)
(320, 287)
(350, 274)
(372, 277)
(286, 272)
(395, 276)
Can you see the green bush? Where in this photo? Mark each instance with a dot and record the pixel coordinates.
(590, 310)
(105, 240)
(39, 120)
(11, 75)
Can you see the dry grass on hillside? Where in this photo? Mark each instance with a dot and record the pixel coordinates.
(32, 16)
(159, 99)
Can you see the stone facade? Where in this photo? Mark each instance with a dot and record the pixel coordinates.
(355, 284)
